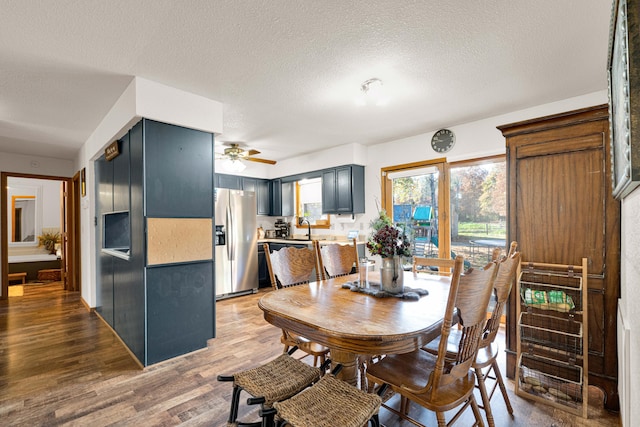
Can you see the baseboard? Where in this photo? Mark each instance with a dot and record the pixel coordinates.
(133, 356)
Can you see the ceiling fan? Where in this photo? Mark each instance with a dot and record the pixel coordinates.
(234, 153)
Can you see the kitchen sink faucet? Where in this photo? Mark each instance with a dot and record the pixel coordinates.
(304, 220)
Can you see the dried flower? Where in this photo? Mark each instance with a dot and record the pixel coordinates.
(49, 240)
(387, 240)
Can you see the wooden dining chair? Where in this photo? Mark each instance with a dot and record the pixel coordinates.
(488, 348)
(337, 259)
(440, 266)
(292, 266)
(271, 382)
(437, 382)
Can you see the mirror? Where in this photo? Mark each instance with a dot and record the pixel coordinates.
(24, 216)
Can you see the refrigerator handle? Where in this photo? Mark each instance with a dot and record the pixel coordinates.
(230, 236)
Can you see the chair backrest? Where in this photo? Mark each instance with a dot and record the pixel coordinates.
(505, 278)
(469, 294)
(337, 259)
(424, 265)
(291, 266)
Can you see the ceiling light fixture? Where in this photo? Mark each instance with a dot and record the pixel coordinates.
(372, 93)
(233, 165)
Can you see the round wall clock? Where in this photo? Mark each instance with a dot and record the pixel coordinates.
(443, 140)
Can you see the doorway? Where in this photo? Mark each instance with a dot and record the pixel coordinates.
(69, 234)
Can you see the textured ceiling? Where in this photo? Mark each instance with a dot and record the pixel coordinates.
(288, 72)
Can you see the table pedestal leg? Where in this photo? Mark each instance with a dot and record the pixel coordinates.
(349, 362)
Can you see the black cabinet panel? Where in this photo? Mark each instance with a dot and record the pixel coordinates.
(232, 182)
(263, 271)
(128, 305)
(288, 208)
(329, 191)
(104, 291)
(180, 309)
(121, 176)
(136, 217)
(178, 167)
(275, 186)
(249, 184)
(104, 182)
(343, 190)
(263, 197)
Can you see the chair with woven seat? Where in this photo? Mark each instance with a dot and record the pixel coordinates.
(337, 260)
(276, 380)
(328, 403)
(488, 349)
(292, 266)
(435, 382)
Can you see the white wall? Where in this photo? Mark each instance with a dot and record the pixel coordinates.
(36, 165)
(630, 298)
(142, 98)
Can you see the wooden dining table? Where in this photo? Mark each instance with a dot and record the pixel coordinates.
(354, 323)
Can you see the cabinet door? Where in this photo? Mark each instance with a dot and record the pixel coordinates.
(263, 271)
(180, 309)
(263, 200)
(344, 203)
(178, 171)
(276, 197)
(121, 176)
(104, 182)
(232, 182)
(561, 210)
(329, 203)
(249, 184)
(288, 208)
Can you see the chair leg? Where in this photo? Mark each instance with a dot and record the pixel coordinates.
(442, 422)
(485, 398)
(476, 410)
(235, 403)
(375, 421)
(503, 389)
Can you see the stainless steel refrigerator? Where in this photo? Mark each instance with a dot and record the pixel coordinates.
(236, 242)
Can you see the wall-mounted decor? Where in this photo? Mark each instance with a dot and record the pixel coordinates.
(83, 182)
(624, 96)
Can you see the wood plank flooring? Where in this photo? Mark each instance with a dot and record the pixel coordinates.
(60, 365)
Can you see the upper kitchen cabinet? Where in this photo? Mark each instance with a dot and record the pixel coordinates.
(232, 182)
(261, 188)
(282, 197)
(343, 190)
(174, 160)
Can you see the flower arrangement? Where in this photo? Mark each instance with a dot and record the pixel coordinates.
(387, 240)
(49, 240)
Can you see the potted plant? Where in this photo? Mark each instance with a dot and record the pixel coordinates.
(49, 241)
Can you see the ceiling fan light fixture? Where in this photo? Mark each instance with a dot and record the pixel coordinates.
(233, 165)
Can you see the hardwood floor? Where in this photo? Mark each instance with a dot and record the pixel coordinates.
(60, 365)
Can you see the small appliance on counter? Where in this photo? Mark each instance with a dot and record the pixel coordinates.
(283, 229)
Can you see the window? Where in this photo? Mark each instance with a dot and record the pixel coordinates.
(309, 202)
(478, 208)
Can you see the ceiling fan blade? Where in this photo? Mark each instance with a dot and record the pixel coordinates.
(252, 152)
(259, 160)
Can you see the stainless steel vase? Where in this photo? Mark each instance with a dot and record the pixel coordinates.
(391, 275)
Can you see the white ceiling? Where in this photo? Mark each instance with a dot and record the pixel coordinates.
(288, 71)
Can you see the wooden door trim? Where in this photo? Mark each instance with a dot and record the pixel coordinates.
(4, 239)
